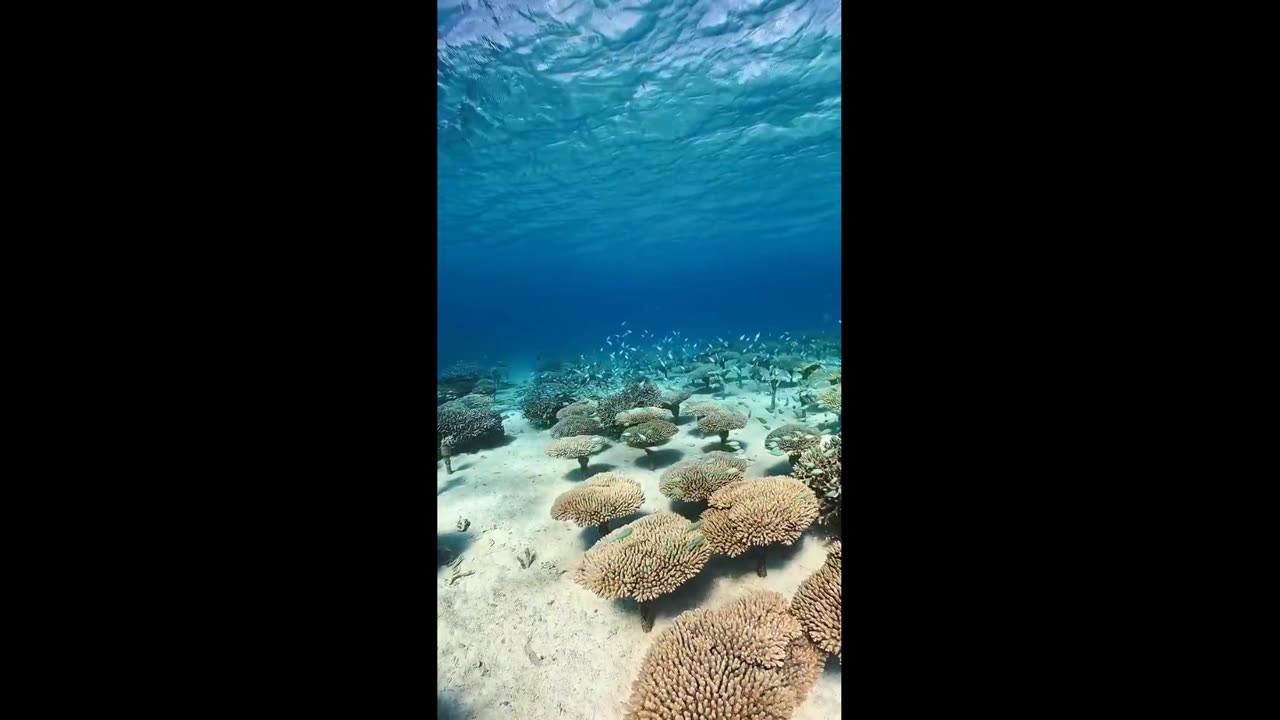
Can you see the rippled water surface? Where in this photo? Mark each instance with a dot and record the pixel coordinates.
(660, 140)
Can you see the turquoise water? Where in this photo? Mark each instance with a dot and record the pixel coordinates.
(675, 165)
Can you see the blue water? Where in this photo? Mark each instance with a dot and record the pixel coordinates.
(675, 165)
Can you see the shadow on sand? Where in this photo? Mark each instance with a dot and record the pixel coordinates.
(448, 708)
(578, 473)
(832, 666)
(451, 545)
(782, 467)
(659, 459)
(454, 481)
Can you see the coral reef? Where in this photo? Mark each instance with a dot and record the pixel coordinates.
(648, 434)
(791, 440)
(627, 418)
(808, 369)
(470, 420)
(702, 407)
(582, 407)
(748, 660)
(475, 401)
(576, 425)
(643, 560)
(461, 372)
(707, 374)
(720, 421)
(641, 394)
(446, 451)
(757, 513)
(830, 399)
(543, 399)
(820, 468)
(817, 604)
(526, 558)
(577, 446)
(694, 480)
(671, 400)
(602, 498)
(774, 376)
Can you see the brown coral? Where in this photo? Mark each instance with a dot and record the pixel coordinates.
(671, 400)
(576, 446)
(649, 434)
(582, 407)
(750, 659)
(830, 399)
(821, 468)
(817, 604)
(702, 407)
(641, 394)
(576, 425)
(791, 440)
(644, 559)
(627, 418)
(601, 499)
(757, 513)
(708, 374)
(721, 420)
(694, 480)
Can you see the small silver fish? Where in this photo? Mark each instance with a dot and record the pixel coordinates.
(609, 343)
(624, 324)
(757, 337)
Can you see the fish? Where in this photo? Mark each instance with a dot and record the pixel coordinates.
(670, 356)
(624, 324)
(607, 341)
(610, 356)
(742, 337)
(757, 337)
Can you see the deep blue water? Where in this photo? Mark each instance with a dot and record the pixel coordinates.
(672, 164)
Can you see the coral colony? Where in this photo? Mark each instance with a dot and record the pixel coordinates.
(641, 391)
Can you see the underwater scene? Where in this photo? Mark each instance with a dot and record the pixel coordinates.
(638, 381)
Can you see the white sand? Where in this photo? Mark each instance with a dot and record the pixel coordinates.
(529, 643)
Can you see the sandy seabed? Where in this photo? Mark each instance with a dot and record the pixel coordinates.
(530, 643)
